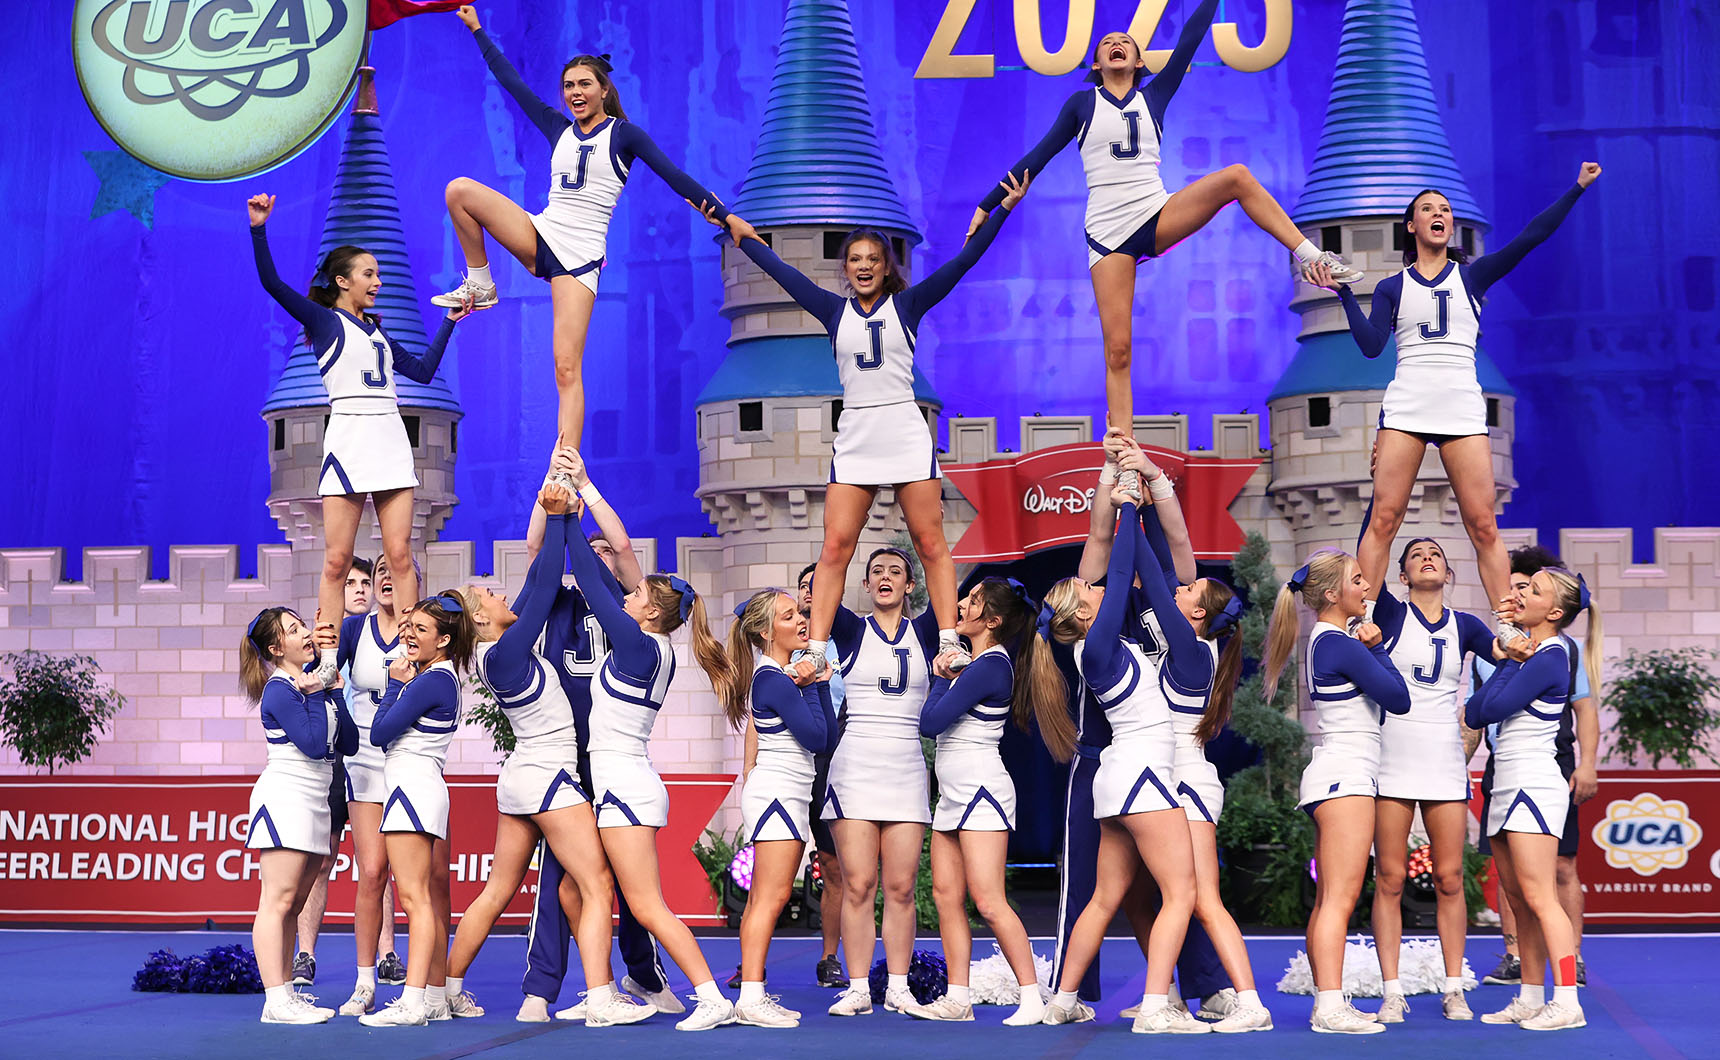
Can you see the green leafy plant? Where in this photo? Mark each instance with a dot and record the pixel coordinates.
(716, 852)
(1474, 872)
(53, 709)
(484, 712)
(1662, 701)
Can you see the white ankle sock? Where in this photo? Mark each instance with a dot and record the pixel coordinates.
(1065, 999)
(897, 982)
(602, 992)
(1032, 1004)
(1306, 252)
(819, 647)
(1328, 1001)
(413, 995)
(1535, 994)
(1368, 616)
(1250, 998)
(1151, 1003)
(961, 995)
(707, 991)
(1392, 986)
(456, 983)
(480, 275)
(367, 977)
(751, 992)
(1565, 995)
(1454, 984)
(276, 995)
(436, 995)
(947, 639)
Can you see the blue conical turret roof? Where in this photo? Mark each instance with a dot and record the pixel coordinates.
(1383, 140)
(363, 211)
(817, 161)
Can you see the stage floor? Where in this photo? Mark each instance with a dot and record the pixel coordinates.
(69, 995)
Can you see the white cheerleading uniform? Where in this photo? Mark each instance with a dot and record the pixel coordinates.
(776, 797)
(883, 438)
(1530, 793)
(1136, 771)
(623, 713)
(1421, 753)
(1120, 153)
(586, 178)
(289, 802)
(415, 762)
(1347, 762)
(1435, 391)
(878, 771)
(975, 791)
(542, 773)
(1198, 788)
(365, 448)
(367, 679)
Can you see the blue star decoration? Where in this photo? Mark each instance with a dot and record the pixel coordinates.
(126, 184)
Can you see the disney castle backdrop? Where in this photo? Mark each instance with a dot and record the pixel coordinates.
(764, 422)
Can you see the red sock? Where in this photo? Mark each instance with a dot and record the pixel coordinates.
(1567, 971)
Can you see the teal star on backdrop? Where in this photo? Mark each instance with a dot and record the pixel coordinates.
(126, 184)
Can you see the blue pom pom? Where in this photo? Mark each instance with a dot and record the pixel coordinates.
(224, 970)
(162, 973)
(928, 978)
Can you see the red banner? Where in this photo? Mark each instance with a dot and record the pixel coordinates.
(1649, 847)
(169, 850)
(385, 13)
(1043, 499)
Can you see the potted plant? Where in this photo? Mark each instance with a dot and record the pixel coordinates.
(1662, 702)
(53, 709)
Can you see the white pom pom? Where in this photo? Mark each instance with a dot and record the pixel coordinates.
(1421, 969)
(992, 981)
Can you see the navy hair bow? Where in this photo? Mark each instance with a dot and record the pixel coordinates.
(1298, 579)
(1021, 594)
(251, 630)
(679, 584)
(1226, 619)
(450, 602)
(1582, 593)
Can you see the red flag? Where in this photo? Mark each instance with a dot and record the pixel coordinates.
(388, 12)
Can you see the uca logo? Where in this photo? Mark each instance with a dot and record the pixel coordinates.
(216, 89)
(1647, 834)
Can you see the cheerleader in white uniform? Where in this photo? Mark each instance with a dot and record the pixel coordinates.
(883, 439)
(1354, 686)
(632, 804)
(795, 719)
(368, 643)
(1530, 793)
(415, 723)
(1118, 126)
(306, 728)
(1012, 673)
(878, 802)
(1134, 788)
(1422, 763)
(1433, 309)
(365, 448)
(591, 157)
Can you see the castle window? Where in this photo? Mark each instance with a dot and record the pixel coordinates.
(453, 437)
(901, 247)
(280, 434)
(1397, 237)
(1319, 412)
(833, 245)
(1332, 238)
(1492, 412)
(411, 430)
(1469, 240)
(752, 416)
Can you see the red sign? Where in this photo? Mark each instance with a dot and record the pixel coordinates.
(172, 850)
(1649, 847)
(1043, 499)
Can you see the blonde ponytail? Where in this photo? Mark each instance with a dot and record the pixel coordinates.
(1281, 632)
(746, 636)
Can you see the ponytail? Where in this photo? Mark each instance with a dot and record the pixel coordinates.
(1281, 631)
(1592, 652)
(254, 662)
(1574, 599)
(746, 636)
(671, 595)
(1224, 681)
(1323, 573)
(1041, 693)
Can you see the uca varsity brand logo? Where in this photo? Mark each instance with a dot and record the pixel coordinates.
(216, 89)
(1647, 834)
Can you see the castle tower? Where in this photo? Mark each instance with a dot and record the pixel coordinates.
(767, 418)
(363, 211)
(1382, 143)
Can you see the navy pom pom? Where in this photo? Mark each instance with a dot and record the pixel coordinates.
(928, 978)
(162, 973)
(224, 970)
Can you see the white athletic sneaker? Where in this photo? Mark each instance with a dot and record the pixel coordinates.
(397, 1014)
(942, 1009)
(533, 1009)
(464, 1006)
(1393, 1009)
(1455, 1006)
(765, 1012)
(960, 661)
(707, 1014)
(898, 1000)
(1129, 1013)
(663, 1000)
(1516, 1012)
(854, 1001)
(483, 296)
(1130, 482)
(1342, 271)
(1169, 1020)
(1080, 1012)
(363, 1000)
(291, 1013)
(1344, 1020)
(576, 1014)
(1242, 1019)
(1369, 1017)
(300, 997)
(615, 1010)
(438, 1013)
(1555, 1017)
(1219, 1005)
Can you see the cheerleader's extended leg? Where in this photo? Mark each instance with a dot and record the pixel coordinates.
(572, 302)
(476, 209)
(1469, 464)
(1398, 459)
(1192, 207)
(1392, 819)
(923, 510)
(1113, 279)
(1343, 833)
(845, 509)
(774, 865)
(341, 514)
(516, 837)
(983, 855)
(394, 522)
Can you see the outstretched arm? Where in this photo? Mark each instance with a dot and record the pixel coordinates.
(1069, 121)
(1165, 83)
(922, 296)
(508, 663)
(631, 646)
(320, 323)
(633, 142)
(421, 367)
(549, 119)
(1373, 329)
(1102, 650)
(987, 680)
(1167, 533)
(1489, 269)
(824, 305)
(1190, 663)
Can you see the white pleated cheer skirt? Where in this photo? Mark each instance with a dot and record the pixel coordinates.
(1346, 763)
(542, 774)
(884, 445)
(877, 778)
(776, 800)
(975, 793)
(417, 795)
(629, 792)
(365, 454)
(1134, 776)
(1422, 761)
(1198, 788)
(289, 808)
(1529, 795)
(364, 780)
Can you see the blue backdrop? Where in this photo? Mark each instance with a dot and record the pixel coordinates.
(142, 346)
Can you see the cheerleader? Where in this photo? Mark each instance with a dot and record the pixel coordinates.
(1422, 763)
(368, 644)
(592, 155)
(1433, 309)
(632, 804)
(307, 728)
(1012, 673)
(1118, 126)
(1133, 787)
(1526, 815)
(1354, 686)
(415, 723)
(878, 801)
(883, 439)
(365, 448)
(795, 720)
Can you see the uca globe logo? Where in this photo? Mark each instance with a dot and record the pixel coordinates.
(216, 89)
(1647, 834)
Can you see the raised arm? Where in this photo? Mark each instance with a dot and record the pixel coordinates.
(432, 695)
(1390, 614)
(922, 296)
(635, 143)
(1168, 537)
(421, 367)
(508, 664)
(1190, 664)
(1372, 330)
(1101, 520)
(302, 717)
(548, 118)
(1473, 636)
(346, 648)
(1370, 669)
(1071, 118)
(320, 323)
(1102, 651)
(631, 646)
(806, 718)
(1515, 685)
(846, 629)
(826, 306)
(345, 729)
(987, 680)
(1165, 83)
(1489, 269)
